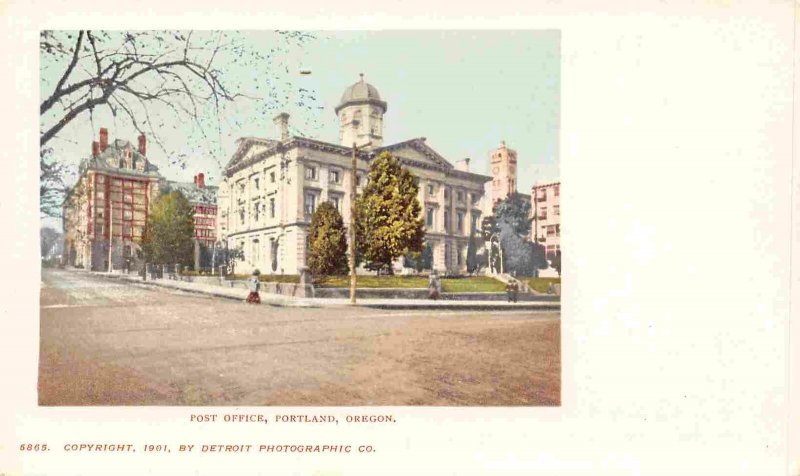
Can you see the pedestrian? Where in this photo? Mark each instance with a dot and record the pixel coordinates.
(255, 285)
(512, 288)
(434, 288)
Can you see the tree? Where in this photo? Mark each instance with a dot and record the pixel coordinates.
(327, 242)
(512, 225)
(50, 239)
(169, 234)
(419, 260)
(556, 262)
(131, 72)
(521, 256)
(388, 214)
(472, 253)
(157, 80)
(52, 185)
(514, 211)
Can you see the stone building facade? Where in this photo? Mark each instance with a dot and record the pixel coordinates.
(271, 187)
(546, 210)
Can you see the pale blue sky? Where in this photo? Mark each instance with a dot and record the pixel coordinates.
(464, 91)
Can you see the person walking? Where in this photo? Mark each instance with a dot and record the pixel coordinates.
(434, 287)
(254, 285)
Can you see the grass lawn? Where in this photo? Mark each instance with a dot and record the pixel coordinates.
(475, 284)
(449, 285)
(541, 284)
(272, 278)
(374, 281)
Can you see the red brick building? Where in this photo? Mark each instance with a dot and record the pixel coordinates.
(105, 213)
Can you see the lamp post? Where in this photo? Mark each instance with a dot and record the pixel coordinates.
(110, 228)
(499, 249)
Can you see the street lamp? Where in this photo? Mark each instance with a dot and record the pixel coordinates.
(499, 248)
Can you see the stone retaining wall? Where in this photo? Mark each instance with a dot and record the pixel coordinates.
(422, 293)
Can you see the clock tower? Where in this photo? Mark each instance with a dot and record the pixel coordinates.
(504, 173)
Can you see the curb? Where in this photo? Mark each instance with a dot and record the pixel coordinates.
(388, 305)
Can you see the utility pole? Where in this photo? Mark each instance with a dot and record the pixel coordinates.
(110, 228)
(353, 178)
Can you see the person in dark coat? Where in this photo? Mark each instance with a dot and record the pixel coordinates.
(254, 285)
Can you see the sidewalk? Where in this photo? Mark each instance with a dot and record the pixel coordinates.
(238, 294)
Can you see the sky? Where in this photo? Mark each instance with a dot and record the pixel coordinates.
(465, 91)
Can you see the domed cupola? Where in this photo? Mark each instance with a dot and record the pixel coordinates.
(360, 113)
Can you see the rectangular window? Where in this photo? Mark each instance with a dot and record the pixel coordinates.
(272, 208)
(358, 180)
(429, 218)
(556, 210)
(459, 222)
(446, 193)
(475, 198)
(459, 255)
(311, 173)
(543, 213)
(256, 210)
(311, 203)
(257, 183)
(101, 195)
(127, 214)
(551, 230)
(430, 189)
(334, 176)
(555, 190)
(272, 177)
(447, 220)
(336, 201)
(460, 196)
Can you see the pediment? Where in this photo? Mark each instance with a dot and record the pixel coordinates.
(418, 151)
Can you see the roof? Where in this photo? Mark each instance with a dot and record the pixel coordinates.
(112, 159)
(361, 93)
(193, 193)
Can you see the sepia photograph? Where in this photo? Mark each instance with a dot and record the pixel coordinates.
(300, 218)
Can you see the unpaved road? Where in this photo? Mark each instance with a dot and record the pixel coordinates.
(104, 342)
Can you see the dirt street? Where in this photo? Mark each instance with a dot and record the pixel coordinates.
(104, 342)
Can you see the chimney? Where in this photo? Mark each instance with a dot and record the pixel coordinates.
(463, 164)
(103, 139)
(143, 144)
(95, 148)
(200, 180)
(282, 124)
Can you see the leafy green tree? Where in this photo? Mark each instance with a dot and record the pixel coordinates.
(419, 260)
(472, 253)
(170, 231)
(556, 262)
(327, 242)
(512, 224)
(389, 222)
(514, 211)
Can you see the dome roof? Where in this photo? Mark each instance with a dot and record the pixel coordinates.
(361, 93)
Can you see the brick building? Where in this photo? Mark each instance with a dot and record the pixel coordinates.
(110, 204)
(105, 213)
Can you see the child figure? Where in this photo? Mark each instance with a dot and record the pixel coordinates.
(255, 285)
